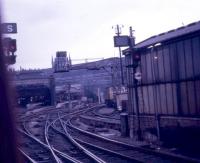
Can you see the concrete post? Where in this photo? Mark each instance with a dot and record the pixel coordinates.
(99, 96)
(131, 125)
(124, 124)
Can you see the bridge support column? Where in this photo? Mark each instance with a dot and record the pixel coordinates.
(52, 90)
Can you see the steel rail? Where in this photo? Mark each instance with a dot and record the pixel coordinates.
(48, 146)
(83, 110)
(47, 141)
(69, 158)
(106, 150)
(157, 153)
(27, 156)
(97, 147)
(104, 116)
(31, 113)
(87, 152)
(90, 154)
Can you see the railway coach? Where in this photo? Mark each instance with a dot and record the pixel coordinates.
(168, 93)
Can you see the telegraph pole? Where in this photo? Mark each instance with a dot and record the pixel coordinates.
(118, 32)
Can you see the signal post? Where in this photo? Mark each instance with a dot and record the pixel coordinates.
(9, 44)
(133, 114)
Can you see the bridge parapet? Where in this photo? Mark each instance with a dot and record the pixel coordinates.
(41, 81)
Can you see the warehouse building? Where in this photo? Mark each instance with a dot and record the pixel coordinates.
(169, 90)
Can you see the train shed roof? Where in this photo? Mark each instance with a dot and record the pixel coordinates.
(184, 30)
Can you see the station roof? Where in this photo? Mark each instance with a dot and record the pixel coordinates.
(184, 30)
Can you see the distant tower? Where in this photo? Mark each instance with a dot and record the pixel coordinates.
(61, 63)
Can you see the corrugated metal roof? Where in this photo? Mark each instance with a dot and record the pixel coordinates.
(190, 28)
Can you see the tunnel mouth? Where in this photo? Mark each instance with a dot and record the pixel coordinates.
(33, 94)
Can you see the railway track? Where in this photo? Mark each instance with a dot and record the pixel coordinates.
(52, 146)
(174, 157)
(65, 142)
(99, 154)
(36, 151)
(95, 113)
(26, 157)
(138, 154)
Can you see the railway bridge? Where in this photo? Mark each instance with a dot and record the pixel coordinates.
(31, 90)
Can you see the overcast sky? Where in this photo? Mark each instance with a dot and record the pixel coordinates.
(83, 28)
